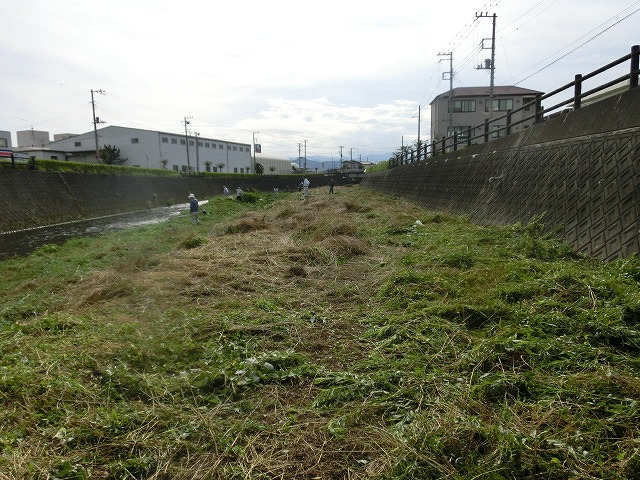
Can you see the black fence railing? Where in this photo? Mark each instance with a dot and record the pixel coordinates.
(505, 123)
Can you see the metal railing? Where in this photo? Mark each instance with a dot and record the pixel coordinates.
(453, 142)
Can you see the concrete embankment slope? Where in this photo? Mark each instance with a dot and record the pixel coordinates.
(31, 198)
(580, 170)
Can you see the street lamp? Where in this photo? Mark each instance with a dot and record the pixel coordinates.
(186, 141)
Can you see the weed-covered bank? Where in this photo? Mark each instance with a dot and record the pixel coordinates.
(349, 336)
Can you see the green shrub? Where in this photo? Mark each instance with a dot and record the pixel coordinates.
(191, 242)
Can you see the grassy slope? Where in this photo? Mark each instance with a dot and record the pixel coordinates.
(335, 338)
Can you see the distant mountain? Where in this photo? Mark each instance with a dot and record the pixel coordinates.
(321, 164)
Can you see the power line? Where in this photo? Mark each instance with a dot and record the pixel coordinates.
(425, 96)
(529, 17)
(467, 30)
(583, 43)
(463, 34)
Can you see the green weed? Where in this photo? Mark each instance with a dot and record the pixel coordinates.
(362, 337)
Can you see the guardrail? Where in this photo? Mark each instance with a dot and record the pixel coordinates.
(453, 142)
(9, 158)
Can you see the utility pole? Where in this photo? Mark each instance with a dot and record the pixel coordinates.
(96, 120)
(305, 155)
(419, 121)
(197, 156)
(450, 73)
(490, 64)
(186, 141)
(341, 147)
(299, 154)
(253, 167)
(419, 117)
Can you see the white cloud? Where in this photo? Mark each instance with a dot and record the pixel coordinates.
(290, 121)
(334, 73)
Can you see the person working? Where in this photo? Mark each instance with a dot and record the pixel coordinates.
(193, 208)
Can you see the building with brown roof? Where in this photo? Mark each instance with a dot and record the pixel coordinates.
(470, 108)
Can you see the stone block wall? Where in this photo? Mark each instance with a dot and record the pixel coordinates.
(30, 198)
(580, 171)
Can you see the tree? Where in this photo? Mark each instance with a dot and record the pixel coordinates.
(111, 155)
(399, 157)
(220, 165)
(259, 169)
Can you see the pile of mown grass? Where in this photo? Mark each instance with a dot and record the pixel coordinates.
(349, 336)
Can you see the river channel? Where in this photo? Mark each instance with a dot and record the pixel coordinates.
(23, 242)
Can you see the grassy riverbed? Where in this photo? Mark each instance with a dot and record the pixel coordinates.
(350, 336)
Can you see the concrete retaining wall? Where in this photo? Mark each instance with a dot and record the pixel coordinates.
(31, 198)
(581, 170)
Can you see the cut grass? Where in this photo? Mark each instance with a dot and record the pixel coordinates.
(333, 338)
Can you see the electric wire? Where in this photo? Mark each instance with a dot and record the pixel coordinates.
(588, 40)
(504, 30)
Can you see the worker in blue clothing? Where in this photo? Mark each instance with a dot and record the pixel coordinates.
(193, 208)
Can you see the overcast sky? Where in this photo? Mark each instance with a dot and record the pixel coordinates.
(348, 73)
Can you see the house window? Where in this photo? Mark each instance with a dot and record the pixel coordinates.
(500, 105)
(206, 145)
(497, 131)
(77, 144)
(54, 157)
(175, 167)
(199, 143)
(220, 146)
(191, 143)
(461, 131)
(235, 169)
(215, 169)
(235, 148)
(526, 100)
(165, 140)
(182, 141)
(174, 141)
(134, 140)
(3, 143)
(214, 145)
(464, 106)
(228, 147)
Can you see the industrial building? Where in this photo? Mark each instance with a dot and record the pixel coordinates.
(150, 149)
(155, 149)
(5, 139)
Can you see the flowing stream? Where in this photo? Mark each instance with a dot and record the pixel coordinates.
(23, 242)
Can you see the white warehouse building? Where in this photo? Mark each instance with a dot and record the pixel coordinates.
(154, 149)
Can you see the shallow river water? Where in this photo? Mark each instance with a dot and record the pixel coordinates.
(23, 242)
